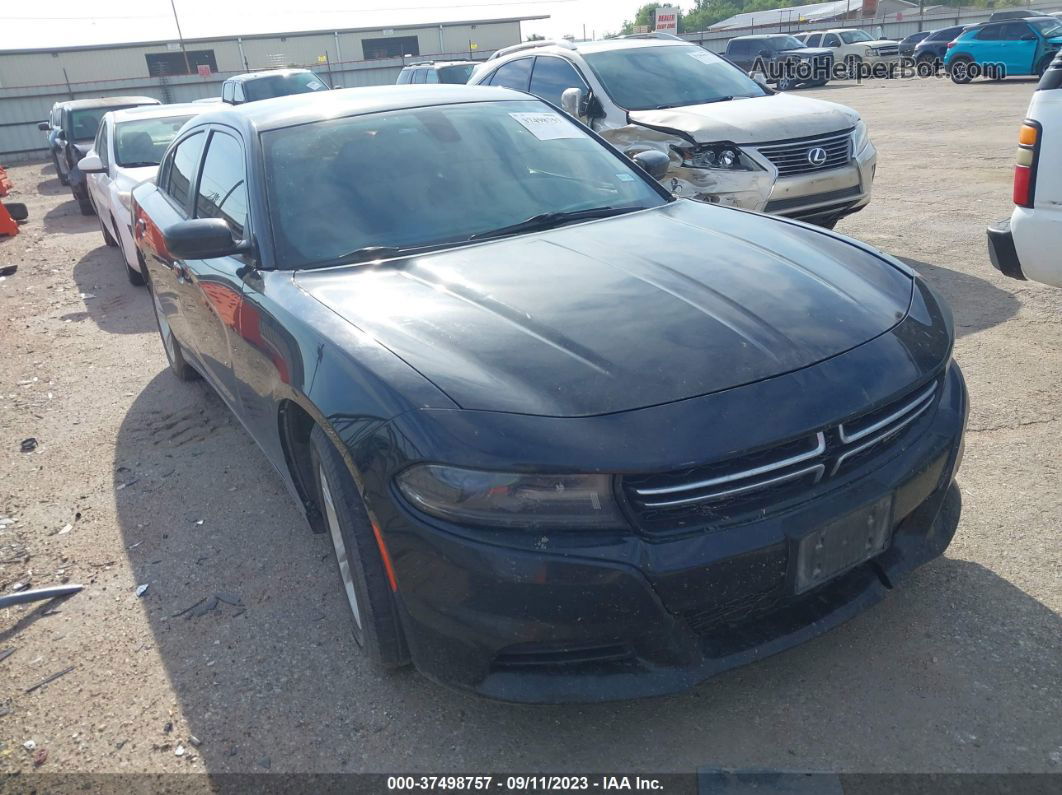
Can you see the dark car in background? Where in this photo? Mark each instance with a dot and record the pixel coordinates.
(930, 51)
(451, 72)
(268, 84)
(907, 44)
(784, 59)
(72, 128)
(572, 439)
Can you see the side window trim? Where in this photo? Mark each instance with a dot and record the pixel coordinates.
(188, 209)
(213, 132)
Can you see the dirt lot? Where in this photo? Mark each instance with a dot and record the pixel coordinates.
(141, 479)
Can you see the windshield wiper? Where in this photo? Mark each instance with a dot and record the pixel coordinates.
(137, 165)
(552, 219)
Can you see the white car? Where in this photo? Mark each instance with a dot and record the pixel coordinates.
(1027, 245)
(128, 147)
(857, 49)
(725, 138)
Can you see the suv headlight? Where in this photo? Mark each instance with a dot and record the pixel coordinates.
(512, 500)
(719, 156)
(860, 137)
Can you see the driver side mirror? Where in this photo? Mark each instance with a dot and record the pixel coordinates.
(90, 164)
(655, 163)
(43, 126)
(1029, 37)
(573, 102)
(201, 238)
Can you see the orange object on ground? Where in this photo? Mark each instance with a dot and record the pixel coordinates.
(8, 226)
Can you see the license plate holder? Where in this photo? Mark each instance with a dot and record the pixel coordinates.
(843, 544)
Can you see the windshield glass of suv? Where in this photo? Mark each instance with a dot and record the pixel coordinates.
(144, 141)
(785, 43)
(434, 176)
(457, 75)
(1047, 27)
(669, 77)
(282, 86)
(854, 36)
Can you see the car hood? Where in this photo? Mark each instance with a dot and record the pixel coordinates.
(610, 315)
(1056, 39)
(879, 43)
(754, 120)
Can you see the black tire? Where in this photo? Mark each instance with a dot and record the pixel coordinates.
(174, 353)
(108, 238)
(84, 203)
(136, 278)
(58, 172)
(786, 84)
(364, 581)
(827, 223)
(1045, 64)
(958, 70)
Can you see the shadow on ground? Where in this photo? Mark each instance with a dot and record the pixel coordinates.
(977, 303)
(52, 186)
(949, 673)
(115, 305)
(66, 219)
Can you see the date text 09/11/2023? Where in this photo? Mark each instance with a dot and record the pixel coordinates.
(530, 783)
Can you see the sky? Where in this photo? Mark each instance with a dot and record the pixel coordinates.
(58, 23)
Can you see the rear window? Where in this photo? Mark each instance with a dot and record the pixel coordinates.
(282, 86)
(455, 75)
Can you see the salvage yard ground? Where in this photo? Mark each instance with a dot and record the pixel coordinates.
(139, 479)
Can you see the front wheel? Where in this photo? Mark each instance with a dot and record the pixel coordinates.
(362, 573)
(108, 238)
(174, 353)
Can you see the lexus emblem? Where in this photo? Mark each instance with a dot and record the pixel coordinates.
(817, 156)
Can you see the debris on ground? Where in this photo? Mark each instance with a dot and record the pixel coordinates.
(40, 756)
(51, 678)
(29, 745)
(5, 653)
(66, 529)
(29, 445)
(38, 594)
(194, 740)
(229, 598)
(142, 589)
(8, 270)
(179, 751)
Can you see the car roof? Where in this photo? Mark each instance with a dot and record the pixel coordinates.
(608, 45)
(107, 102)
(765, 36)
(440, 63)
(155, 111)
(248, 76)
(296, 109)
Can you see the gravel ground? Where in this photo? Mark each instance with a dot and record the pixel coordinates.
(140, 479)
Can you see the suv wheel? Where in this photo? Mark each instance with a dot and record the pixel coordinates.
(959, 69)
(108, 238)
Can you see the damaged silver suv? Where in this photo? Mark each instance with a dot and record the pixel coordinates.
(730, 139)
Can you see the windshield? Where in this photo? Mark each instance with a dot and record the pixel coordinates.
(1047, 27)
(144, 141)
(945, 35)
(785, 43)
(282, 86)
(457, 75)
(434, 176)
(669, 77)
(84, 124)
(853, 36)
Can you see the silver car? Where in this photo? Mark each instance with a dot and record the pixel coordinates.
(729, 139)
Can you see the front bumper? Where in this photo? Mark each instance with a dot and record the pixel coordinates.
(637, 617)
(812, 196)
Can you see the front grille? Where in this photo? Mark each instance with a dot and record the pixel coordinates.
(763, 480)
(535, 655)
(887, 50)
(792, 157)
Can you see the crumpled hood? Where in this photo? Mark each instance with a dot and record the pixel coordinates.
(622, 313)
(754, 120)
(879, 43)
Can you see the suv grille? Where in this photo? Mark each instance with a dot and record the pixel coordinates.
(887, 49)
(681, 501)
(794, 157)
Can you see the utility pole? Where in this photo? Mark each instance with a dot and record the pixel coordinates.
(180, 38)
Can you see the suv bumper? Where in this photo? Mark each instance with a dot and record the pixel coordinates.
(571, 626)
(1026, 245)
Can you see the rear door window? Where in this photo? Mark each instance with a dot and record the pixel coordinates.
(222, 189)
(418, 75)
(814, 40)
(515, 74)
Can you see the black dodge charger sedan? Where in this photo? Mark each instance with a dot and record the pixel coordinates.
(573, 439)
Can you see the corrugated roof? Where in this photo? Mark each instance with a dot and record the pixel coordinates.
(774, 16)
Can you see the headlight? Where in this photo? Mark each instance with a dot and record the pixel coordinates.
(868, 51)
(721, 156)
(860, 137)
(510, 500)
(126, 199)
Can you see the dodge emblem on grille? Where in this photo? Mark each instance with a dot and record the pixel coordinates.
(817, 156)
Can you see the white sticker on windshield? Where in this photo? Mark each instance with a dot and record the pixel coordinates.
(625, 177)
(547, 126)
(704, 56)
(313, 85)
